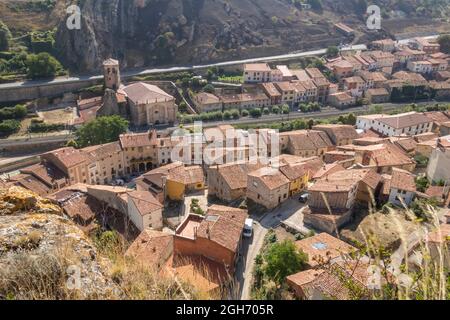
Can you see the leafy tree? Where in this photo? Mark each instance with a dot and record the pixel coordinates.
(227, 115)
(282, 260)
(8, 127)
(332, 51)
(245, 113)
(285, 109)
(17, 112)
(444, 41)
(275, 110)
(235, 114)
(209, 88)
(182, 107)
(256, 113)
(266, 111)
(422, 184)
(101, 130)
(42, 65)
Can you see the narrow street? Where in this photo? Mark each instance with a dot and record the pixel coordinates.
(289, 210)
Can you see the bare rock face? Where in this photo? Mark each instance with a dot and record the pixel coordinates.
(158, 32)
(17, 201)
(43, 255)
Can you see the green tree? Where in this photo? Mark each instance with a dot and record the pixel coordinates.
(332, 51)
(244, 113)
(209, 88)
(8, 127)
(182, 107)
(256, 113)
(227, 115)
(282, 260)
(101, 130)
(285, 109)
(422, 184)
(275, 110)
(444, 41)
(235, 114)
(42, 65)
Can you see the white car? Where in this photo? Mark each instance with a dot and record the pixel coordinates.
(120, 182)
(248, 228)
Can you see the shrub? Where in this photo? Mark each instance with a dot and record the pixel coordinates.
(245, 113)
(285, 109)
(282, 260)
(101, 130)
(209, 88)
(8, 127)
(275, 110)
(256, 113)
(40, 127)
(17, 112)
(227, 115)
(235, 114)
(42, 65)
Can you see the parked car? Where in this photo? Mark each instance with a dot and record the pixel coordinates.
(304, 198)
(248, 228)
(120, 182)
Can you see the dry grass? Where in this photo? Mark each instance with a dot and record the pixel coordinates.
(25, 276)
(403, 279)
(57, 116)
(135, 280)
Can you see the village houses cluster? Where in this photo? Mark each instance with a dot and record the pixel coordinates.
(389, 71)
(133, 185)
(342, 168)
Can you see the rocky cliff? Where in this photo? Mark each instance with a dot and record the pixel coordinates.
(44, 255)
(162, 32)
(149, 32)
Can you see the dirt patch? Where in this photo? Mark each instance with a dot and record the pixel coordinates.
(386, 229)
(283, 234)
(58, 116)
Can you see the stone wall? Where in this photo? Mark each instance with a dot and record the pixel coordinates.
(30, 91)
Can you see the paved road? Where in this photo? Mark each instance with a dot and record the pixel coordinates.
(35, 140)
(142, 72)
(325, 113)
(252, 247)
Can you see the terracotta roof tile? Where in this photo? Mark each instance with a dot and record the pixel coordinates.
(223, 225)
(144, 93)
(152, 248)
(323, 247)
(272, 178)
(145, 202)
(403, 180)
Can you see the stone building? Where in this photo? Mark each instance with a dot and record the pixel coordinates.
(111, 73)
(149, 105)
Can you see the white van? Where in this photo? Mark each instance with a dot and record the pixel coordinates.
(248, 228)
